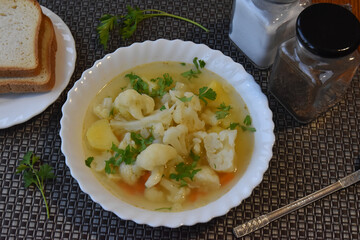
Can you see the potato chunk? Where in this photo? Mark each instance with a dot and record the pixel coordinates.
(222, 96)
(100, 135)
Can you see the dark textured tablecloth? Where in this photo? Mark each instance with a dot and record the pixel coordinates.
(306, 157)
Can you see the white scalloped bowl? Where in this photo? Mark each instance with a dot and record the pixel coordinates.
(104, 70)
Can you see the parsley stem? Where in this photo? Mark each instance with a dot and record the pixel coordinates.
(40, 186)
(165, 14)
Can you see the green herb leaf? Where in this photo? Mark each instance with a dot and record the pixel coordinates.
(208, 93)
(185, 99)
(128, 23)
(233, 125)
(184, 170)
(190, 74)
(163, 208)
(88, 161)
(194, 73)
(45, 172)
(247, 127)
(247, 120)
(107, 24)
(162, 108)
(141, 141)
(138, 84)
(33, 176)
(163, 85)
(223, 112)
(129, 154)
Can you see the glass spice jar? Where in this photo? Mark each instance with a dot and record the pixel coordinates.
(313, 70)
(258, 27)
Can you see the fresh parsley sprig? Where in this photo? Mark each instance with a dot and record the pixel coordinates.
(194, 73)
(35, 176)
(137, 83)
(223, 111)
(128, 23)
(127, 155)
(163, 85)
(246, 127)
(206, 93)
(185, 99)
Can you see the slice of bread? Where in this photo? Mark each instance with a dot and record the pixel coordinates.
(45, 80)
(20, 22)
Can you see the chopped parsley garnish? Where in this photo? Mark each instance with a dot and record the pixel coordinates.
(223, 112)
(246, 127)
(194, 73)
(206, 92)
(138, 84)
(162, 108)
(141, 142)
(185, 99)
(34, 176)
(164, 83)
(163, 208)
(184, 170)
(111, 113)
(233, 125)
(247, 120)
(88, 161)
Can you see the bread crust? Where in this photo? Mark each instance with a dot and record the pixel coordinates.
(45, 80)
(20, 71)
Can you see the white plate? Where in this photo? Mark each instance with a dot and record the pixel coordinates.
(93, 79)
(18, 108)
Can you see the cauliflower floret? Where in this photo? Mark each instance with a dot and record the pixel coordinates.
(187, 116)
(98, 164)
(155, 177)
(220, 150)
(163, 117)
(166, 99)
(176, 137)
(103, 110)
(130, 173)
(209, 117)
(154, 194)
(138, 105)
(197, 139)
(196, 146)
(176, 194)
(194, 103)
(158, 132)
(126, 141)
(155, 155)
(206, 179)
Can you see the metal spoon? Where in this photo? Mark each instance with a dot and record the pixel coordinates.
(264, 220)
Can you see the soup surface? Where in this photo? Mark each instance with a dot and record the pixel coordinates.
(168, 136)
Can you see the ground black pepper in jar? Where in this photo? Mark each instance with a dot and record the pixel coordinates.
(313, 70)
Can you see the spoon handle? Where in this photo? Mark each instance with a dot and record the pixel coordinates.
(263, 220)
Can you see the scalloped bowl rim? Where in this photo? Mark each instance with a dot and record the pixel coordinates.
(111, 65)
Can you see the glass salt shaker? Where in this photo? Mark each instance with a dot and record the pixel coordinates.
(258, 27)
(313, 70)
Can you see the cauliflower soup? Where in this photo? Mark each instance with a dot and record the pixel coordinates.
(168, 136)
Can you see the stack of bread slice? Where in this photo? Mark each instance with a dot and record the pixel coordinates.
(27, 48)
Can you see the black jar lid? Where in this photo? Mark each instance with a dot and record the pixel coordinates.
(328, 30)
